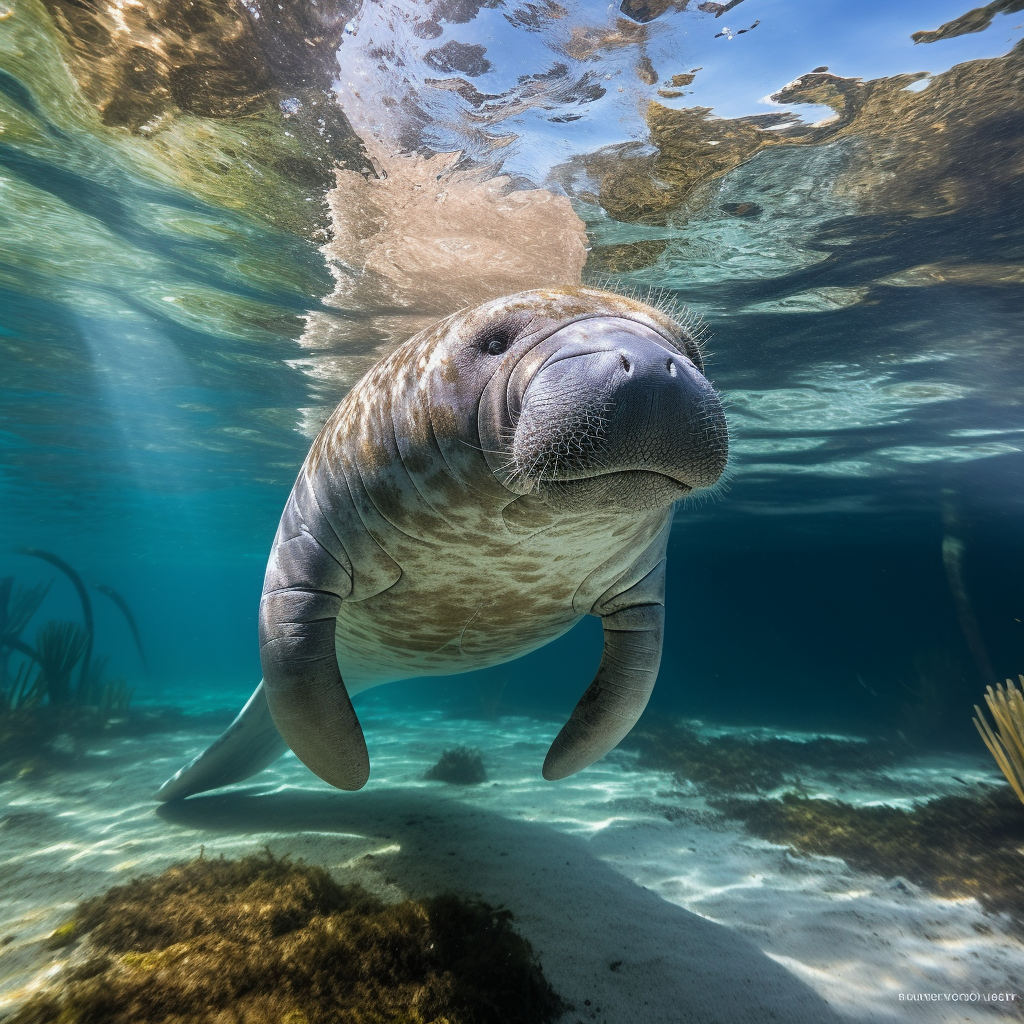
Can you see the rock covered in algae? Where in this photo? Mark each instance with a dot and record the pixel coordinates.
(459, 766)
(262, 939)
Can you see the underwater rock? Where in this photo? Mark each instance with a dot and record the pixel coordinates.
(207, 58)
(692, 147)
(262, 939)
(953, 846)
(460, 766)
(975, 274)
(949, 147)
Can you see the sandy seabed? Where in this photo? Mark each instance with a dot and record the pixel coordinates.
(642, 904)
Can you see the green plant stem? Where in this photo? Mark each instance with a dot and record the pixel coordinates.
(121, 603)
(58, 563)
(19, 645)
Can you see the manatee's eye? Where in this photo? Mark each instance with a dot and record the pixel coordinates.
(497, 338)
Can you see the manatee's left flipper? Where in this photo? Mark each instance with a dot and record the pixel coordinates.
(248, 745)
(634, 628)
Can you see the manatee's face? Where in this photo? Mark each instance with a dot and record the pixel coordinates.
(606, 412)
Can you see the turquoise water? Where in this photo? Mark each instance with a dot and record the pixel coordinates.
(180, 309)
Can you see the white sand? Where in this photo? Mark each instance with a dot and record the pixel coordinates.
(634, 896)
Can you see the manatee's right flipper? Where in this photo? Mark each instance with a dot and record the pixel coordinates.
(248, 745)
(308, 576)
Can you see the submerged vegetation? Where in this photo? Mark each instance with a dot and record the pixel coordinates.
(51, 686)
(953, 846)
(460, 766)
(740, 764)
(1006, 744)
(262, 939)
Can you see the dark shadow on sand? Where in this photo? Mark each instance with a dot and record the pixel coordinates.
(599, 936)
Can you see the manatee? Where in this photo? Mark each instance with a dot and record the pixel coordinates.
(505, 472)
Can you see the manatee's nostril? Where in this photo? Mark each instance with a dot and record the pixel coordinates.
(671, 367)
(625, 363)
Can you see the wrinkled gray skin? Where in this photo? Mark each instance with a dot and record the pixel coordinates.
(499, 476)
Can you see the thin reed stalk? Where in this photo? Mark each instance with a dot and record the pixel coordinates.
(1006, 744)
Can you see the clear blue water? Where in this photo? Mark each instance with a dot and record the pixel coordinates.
(152, 392)
(862, 285)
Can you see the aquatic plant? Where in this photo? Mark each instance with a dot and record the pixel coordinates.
(953, 846)
(263, 939)
(83, 595)
(15, 694)
(114, 699)
(60, 646)
(17, 606)
(91, 687)
(1007, 746)
(39, 698)
(741, 764)
(460, 766)
(122, 605)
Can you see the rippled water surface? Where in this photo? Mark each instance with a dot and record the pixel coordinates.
(215, 217)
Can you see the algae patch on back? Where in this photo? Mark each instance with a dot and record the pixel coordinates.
(262, 939)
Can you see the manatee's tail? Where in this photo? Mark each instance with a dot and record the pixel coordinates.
(248, 745)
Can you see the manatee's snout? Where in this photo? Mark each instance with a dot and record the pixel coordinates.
(617, 413)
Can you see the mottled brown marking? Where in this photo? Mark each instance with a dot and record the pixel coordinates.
(485, 576)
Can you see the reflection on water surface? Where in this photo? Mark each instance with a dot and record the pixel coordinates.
(853, 240)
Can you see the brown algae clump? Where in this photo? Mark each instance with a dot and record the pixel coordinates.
(262, 939)
(953, 846)
(740, 764)
(459, 766)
